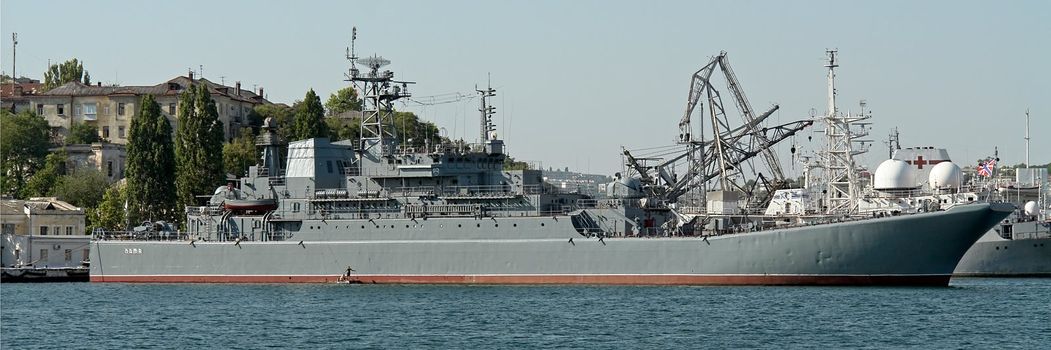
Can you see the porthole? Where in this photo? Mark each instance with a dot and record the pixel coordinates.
(459, 225)
(514, 225)
(541, 224)
(362, 227)
(478, 225)
(496, 225)
(406, 226)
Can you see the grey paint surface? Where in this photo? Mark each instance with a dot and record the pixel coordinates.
(921, 244)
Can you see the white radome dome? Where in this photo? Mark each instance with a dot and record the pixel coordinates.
(1030, 208)
(894, 174)
(945, 175)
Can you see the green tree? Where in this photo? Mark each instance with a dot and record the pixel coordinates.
(23, 147)
(308, 118)
(240, 154)
(414, 132)
(83, 188)
(198, 147)
(511, 164)
(81, 133)
(87, 78)
(110, 212)
(282, 115)
(45, 180)
(343, 129)
(151, 163)
(343, 100)
(61, 73)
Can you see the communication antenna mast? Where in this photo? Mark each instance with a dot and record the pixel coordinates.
(488, 111)
(843, 190)
(379, 90)
(1027, 138)
(893, 143)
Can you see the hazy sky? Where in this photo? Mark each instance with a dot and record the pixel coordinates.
(578, 79)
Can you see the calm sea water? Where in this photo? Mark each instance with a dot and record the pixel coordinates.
(972, 313)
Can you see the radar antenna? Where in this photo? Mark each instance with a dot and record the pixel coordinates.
(379, 90)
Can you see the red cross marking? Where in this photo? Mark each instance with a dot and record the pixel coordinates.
(919, 162)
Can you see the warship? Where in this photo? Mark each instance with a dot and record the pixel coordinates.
(1019, 246)
(1015, 247)
(373, 210)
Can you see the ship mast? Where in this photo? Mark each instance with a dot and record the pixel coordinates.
(843, 188)
(379, 91)
(1027, 164)
(486, 128)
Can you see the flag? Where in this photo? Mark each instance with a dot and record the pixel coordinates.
(986, 168)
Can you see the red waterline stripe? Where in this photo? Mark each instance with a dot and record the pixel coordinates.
(861, 280)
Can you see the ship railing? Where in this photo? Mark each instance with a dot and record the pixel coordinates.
(266, 172)
(103, 235)
(204, 210)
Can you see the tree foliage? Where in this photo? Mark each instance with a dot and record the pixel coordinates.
(81, 133)
(240, 154)
(110, 212)
(198, 146)
(83, 188)
(308, 122)
(23, 147)
(61, 73)
(151, 163)
(343, 100)
(409, 129)
(414, 132)
(45, 180)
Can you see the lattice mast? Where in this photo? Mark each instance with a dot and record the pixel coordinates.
(843, 190)
(486, 127)
(378, 90)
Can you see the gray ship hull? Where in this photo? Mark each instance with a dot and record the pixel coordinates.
(920, 249)
(994, 256)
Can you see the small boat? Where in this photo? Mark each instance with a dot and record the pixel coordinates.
(250, 204)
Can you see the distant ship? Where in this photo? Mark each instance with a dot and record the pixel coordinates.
(376, 211)
(1020, 245)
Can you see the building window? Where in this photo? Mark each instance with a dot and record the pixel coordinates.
(69, 230)
(90, 111)
(43, 230)
(69, 255)
(109, 168)
(76, 110)
(18, 254)
(61, 109)
(171, 108)
(329, 165)
(105, 109)
(43, 256)
(40, 109)
(120, 109)
(120, 131)
(7, 229)
(105, 132)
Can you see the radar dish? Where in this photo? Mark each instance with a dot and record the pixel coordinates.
(374, 62)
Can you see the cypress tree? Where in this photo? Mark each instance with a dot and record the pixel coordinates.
(308, 121)
(198, 146)
(150, 190)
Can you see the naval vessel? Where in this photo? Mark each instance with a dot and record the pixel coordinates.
(1019, 245)
(373, 210)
